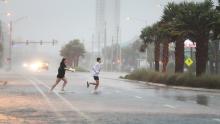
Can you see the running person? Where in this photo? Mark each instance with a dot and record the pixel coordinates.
(61, 75)
(95, 72)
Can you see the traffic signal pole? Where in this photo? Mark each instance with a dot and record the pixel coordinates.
(9, 59)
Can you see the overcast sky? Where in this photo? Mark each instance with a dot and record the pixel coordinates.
(65, 20)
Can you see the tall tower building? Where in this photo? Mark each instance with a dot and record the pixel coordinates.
(107, 28)
(107, 21)
(100, 24)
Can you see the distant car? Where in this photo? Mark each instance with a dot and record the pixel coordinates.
(44, 66)
(37, 66)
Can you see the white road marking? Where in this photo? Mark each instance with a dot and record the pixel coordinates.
(169, 106)
(138, 97)
(67, 102)
(47, 99)
(216, 119)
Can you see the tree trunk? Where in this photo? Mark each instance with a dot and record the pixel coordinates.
(165, 56)
(151, 65)
(179, 56)
(70, 61)
(211, 66)
(216, 56)
(157, 56)
(75, 61)
(201, 55)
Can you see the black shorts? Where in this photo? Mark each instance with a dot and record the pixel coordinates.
(60, 76)
(96, 78)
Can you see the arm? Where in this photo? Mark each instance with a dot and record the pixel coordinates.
(70, 69)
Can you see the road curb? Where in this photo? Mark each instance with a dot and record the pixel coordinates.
(173, 87)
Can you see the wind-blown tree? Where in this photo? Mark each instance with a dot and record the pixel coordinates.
(149, 48)
(73, 51)
(159, 35)
(164, 36)
(214, 53)
(198, 18)
(149, 35)
(171, 11)
(182, 21)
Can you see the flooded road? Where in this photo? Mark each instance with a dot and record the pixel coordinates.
(26, 100)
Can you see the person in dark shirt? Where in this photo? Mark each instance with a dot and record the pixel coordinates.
(61, 75)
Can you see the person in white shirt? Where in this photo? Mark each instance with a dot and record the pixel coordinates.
(95, 72)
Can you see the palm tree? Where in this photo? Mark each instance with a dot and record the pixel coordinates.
(149, 35)
(157, 34)
(170, 13)
(199, 18)
(166, 35)
(215, 37)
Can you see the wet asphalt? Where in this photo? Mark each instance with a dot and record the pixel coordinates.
(26, 100)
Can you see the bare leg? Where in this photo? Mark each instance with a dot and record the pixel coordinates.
(64, 83)
(57, 82)
(93, 83)
(97, 84)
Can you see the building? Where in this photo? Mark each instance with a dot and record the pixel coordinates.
(107, 28)
(107, 22)
(100, 25)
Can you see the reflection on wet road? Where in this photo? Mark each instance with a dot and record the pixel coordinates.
(26, 99)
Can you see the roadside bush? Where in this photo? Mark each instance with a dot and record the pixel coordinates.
(178, 79)
(80, 69)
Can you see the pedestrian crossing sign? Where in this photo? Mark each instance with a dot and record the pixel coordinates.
(188, 61)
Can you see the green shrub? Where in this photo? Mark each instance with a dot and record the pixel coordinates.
(178, 79)
(80, 69)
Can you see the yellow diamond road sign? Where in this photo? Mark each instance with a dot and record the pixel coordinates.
(189, 61)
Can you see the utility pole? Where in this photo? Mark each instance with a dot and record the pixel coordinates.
(9, 59)
(112, 54)
(92, 56)
(118, 48)
(119, 54)
(105, 45)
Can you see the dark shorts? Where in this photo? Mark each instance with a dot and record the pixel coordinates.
(60, 76)
(96, 78)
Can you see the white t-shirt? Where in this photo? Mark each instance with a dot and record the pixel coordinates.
(96, 69)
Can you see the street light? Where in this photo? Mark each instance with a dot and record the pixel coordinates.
(136, 19)
(10, 38)
(140, 21)
(8, 14)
